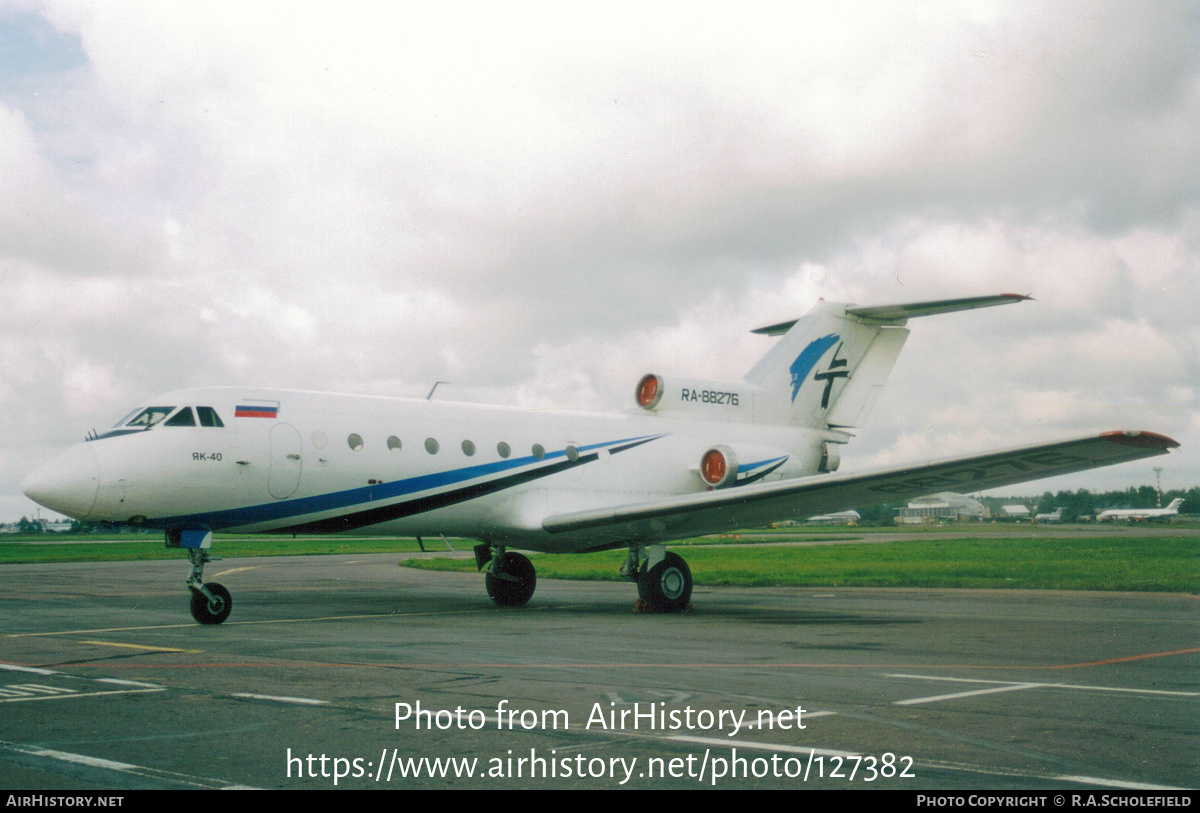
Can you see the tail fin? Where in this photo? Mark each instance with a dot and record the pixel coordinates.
(830, 366)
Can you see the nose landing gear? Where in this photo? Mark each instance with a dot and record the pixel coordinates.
(211, 603)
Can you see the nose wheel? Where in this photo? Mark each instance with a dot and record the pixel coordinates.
(211, 603)
(212, 608)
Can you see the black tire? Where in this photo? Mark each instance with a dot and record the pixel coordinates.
(518, 587)
(206, 613)
(667, 585)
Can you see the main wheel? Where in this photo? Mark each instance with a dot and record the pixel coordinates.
(215, 612)
(667, 585)
(514, 583)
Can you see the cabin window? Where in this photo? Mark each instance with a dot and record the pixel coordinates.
(355, 442)
(209, 417)
(431, 445)
(468, 448)
(572, 454)
(538, 451)
(183, 417)
(503, 449)
(393, 443)
(149, 417)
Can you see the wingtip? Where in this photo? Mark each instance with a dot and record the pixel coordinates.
(1141, 439)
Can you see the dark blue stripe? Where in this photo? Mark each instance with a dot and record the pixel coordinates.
(288, 509)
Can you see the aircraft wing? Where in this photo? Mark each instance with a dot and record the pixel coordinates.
(757, 505)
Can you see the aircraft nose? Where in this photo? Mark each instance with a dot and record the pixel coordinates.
(67, 484)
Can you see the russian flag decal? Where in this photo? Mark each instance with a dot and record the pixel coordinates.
(256, 411)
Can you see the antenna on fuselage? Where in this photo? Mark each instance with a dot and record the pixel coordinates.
(435, 386)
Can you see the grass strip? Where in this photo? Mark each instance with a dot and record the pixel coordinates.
(1154, 564)
(224, 547)
(1101, 562)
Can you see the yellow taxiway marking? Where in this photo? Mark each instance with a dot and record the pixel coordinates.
(141, 646)
(263, 621)
(235, 570)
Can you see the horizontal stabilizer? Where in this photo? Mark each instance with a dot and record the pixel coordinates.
(757, 505)
(899, 313)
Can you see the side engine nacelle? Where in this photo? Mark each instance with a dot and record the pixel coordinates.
(737, 464)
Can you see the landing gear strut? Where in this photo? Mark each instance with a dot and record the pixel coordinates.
(510, 578)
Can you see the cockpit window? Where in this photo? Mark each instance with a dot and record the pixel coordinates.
(208, 417)
(183, 417)
(149, 417)
(125, 420)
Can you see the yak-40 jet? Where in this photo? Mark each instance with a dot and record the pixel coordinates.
(690, 457)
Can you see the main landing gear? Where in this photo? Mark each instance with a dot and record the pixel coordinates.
(510, 577)
(663, 579)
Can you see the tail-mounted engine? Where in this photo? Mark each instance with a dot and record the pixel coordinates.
(738, 464)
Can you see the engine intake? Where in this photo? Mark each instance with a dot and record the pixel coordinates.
(729, 465)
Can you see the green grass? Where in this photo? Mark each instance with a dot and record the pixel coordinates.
(228, 547)
(1159, 564)
(1108, 561)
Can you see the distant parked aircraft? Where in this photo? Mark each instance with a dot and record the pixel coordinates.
(839, 518)
(1054, 517)
(1138, 514)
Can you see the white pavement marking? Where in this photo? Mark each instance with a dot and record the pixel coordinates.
(1113, 783)
(1012, 687)
(303, 701)
(119, 682)
(113, 765)
(808, 715)
(75, 695)
(759, 746)
(12, 667)
(1074, 686)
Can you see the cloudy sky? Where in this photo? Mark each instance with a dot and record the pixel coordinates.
(540, 202)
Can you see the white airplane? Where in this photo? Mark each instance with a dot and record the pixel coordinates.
(1055, 516)
(1136, 514)
(850, 517)
(691, 457)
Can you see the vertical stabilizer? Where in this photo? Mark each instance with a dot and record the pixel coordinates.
(831, 365)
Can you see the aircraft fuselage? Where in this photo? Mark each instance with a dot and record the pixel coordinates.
(305, 462)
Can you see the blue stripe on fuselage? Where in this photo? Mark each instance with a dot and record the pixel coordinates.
(357, 497)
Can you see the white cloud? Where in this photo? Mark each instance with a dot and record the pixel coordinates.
(542, 203)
